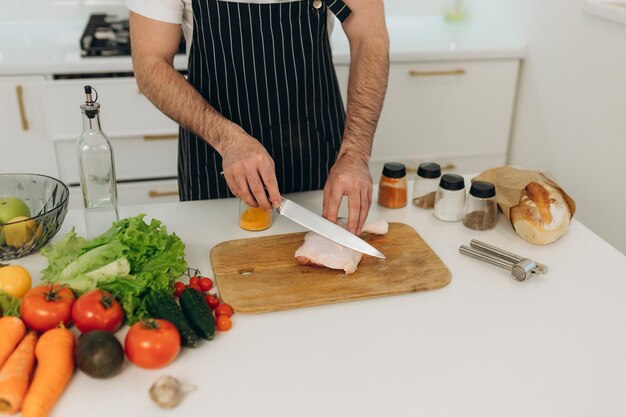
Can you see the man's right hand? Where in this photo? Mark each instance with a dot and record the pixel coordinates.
(249, 169)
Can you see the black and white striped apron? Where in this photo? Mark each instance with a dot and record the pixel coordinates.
(268, 68)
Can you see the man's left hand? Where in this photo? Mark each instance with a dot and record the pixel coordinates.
(349, 177)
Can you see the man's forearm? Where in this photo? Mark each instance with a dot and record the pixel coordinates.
(369, 72)
(168, 90)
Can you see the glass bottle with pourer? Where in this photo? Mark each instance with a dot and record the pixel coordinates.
(97, 170)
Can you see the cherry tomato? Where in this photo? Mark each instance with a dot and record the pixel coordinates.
(45, 306)
(224, 323)
(195, 287)
(97, 310)
(152, 343)
(206, 284)
(194, 280)
(179, 287)
(212, 301)
(223, 310)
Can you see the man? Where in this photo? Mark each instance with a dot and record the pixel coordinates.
(261, 102)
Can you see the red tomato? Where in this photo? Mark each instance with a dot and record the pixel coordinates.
(45, 306)
(224, 323)
(212, 301)
(97, 310)
(152, 343)
(179, 287)
(223, 310)
(194, 280)
(195, 287)
(205, 284)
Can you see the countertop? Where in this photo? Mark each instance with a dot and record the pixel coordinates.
(485, 345)
(52, 47)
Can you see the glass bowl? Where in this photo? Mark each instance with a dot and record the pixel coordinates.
(32, 210)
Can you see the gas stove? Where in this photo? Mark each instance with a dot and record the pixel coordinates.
(108, 35)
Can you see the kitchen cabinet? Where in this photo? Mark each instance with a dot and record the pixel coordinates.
(135, 193)
(457, 113)
(125, 111)
(144, 140)
(24, 144)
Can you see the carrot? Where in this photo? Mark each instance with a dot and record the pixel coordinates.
(15, 374)
(12, 331)
(55, 365)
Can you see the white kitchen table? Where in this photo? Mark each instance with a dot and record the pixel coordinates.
(485, 345)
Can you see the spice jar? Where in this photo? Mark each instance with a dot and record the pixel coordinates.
(450, 198)
(254, 218)
(481, 210)
(425, 185)
(392, 186)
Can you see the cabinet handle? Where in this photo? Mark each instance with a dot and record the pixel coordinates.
(160, 137)
(155, 193)
(19, 92)
(440, 73)
(445, 167)
(448, 167)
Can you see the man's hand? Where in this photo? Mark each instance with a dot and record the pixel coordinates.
(369, 70)
(349, 177)
(248, 168)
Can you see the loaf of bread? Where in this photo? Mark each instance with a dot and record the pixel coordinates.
(542, 215)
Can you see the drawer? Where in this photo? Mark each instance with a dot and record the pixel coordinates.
(135, 158)
(135, 193)
(125, 111)
(445, 109)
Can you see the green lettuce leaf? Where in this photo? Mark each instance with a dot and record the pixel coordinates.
(130, 259)
(61, 254)
(9, 305)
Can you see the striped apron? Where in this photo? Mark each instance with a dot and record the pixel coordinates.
(268, 68)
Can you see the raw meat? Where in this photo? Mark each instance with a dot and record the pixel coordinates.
(319, 251)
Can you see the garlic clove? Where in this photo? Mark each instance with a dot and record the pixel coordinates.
(167, 392)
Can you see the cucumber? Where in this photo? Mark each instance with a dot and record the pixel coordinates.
(198, 313)
(161, 305)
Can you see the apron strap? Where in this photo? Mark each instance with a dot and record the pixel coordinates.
(339, 9)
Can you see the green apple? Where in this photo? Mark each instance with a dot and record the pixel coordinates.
(11, 208)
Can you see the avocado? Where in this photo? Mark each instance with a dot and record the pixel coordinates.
(99, 354)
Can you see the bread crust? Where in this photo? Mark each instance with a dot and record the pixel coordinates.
(542, 215)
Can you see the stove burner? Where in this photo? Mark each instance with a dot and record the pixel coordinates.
(105, 35)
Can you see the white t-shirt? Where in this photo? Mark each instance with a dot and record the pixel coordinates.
(181, 12)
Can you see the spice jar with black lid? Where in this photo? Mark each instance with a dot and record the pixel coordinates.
(450, 198)
(392, 186)
(481, 210)
(425, 185)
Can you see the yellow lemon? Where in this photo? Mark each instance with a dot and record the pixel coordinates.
(18, 231)
(14, 280)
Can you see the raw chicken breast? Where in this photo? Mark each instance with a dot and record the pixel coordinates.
(319, 251)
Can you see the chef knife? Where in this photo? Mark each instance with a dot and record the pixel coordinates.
(326, 228)
(295, 212)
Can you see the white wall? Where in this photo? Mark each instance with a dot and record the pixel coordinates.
(57, 9)
(571, 114)
(68, 9)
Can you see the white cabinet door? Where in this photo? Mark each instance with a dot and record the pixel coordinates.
(135, 193)
(125, 111)
(457, 113)
(24, 145)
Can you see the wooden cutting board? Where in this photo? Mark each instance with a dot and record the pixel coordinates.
(259, 275)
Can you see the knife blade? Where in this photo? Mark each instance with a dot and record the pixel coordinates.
(326, 228)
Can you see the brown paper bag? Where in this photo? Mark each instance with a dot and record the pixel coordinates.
(510, 183)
